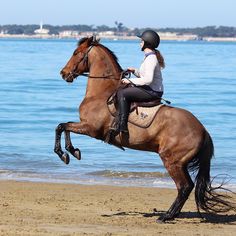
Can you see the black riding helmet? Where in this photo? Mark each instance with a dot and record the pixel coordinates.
(151, 39)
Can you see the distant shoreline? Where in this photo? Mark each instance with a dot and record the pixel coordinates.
(116, 37)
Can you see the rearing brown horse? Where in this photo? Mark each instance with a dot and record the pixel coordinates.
(176, 135)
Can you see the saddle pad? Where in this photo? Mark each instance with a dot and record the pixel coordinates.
(141, 117)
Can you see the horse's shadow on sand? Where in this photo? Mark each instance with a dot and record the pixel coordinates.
(204, 217)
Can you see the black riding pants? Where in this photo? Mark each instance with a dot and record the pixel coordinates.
(138, 94)
(135, 94)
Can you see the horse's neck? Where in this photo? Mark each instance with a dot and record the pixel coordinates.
(104, 77)
(99, 88)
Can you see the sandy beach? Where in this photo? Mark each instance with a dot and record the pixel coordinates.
(28, 208)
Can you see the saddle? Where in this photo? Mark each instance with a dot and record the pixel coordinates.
(154, 103)
(141, 114)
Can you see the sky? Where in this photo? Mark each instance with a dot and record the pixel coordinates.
(132, 13)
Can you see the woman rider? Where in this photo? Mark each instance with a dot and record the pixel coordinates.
(148, 81)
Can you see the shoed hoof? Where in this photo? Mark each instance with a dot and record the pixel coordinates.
(65, 158)
(77, 154)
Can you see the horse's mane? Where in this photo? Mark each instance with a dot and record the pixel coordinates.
(111, 53)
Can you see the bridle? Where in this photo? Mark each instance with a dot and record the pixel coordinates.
(123, 74)
(73, 73)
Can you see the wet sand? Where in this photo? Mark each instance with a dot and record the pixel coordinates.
(28, 208)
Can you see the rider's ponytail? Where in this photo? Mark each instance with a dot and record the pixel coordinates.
(160, 59)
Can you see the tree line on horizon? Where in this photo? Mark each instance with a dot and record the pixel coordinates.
(119, 28)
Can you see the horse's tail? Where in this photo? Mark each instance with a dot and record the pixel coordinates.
(206, 197)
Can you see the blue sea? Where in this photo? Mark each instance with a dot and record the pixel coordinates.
(199, 76)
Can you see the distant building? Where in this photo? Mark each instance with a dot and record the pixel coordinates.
(68, 34)
(2, 32)
(41, 30)
(176, 36)
(106, 33)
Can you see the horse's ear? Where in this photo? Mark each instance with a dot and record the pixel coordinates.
(94, 38)
(90, 40)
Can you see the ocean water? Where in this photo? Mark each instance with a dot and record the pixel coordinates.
(199, 77)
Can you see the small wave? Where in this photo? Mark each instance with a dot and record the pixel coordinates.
(124, 174)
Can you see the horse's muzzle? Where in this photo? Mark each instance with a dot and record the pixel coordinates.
(68, 77)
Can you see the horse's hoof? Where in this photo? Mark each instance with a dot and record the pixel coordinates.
(160, 221)
(77, 154)
(164, 218)
(65, 158)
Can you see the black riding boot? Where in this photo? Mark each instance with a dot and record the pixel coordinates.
(123, 115)
(121, 119)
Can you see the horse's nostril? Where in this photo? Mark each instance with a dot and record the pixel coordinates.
(62, 73)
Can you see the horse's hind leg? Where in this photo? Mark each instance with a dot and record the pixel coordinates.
(184, 186)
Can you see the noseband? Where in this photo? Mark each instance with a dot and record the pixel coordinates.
(73, 73)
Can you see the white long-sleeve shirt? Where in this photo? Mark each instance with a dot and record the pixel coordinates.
(149, 74)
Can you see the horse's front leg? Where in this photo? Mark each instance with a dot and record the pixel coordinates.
(75, 127)
(57, 148)
(69, 146)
